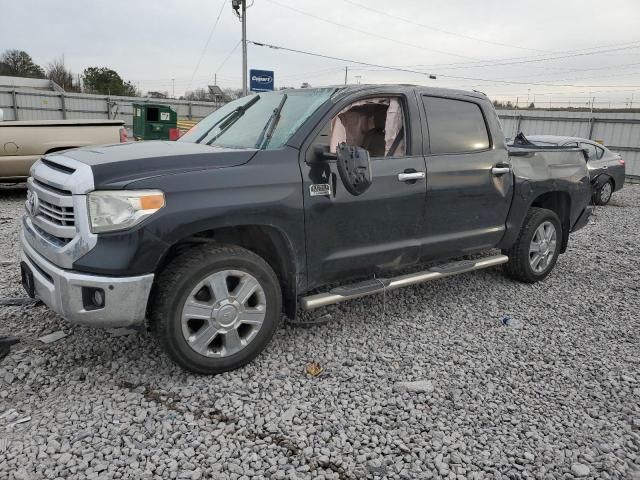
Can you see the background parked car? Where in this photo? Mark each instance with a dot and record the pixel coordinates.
(24, 142)
(606, 168)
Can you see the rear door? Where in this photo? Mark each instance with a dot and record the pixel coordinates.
(596, 166)
(469, 182)
(604, 162)
(350, 235)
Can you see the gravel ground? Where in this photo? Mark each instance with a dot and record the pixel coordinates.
(554, 395)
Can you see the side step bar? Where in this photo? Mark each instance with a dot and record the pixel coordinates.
(378, 285)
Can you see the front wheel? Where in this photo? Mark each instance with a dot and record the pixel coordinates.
(603, 194)
(216, 308)
(535, 252)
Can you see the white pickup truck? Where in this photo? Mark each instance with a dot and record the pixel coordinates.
(24, 142)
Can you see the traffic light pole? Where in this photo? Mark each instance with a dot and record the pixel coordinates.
(244, 48)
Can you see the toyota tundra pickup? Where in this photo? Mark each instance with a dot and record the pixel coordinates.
(274, 199)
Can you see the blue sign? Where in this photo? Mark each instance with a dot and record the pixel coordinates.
(261, 80)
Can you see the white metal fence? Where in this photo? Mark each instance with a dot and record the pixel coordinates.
(618, 131)
(31, 104)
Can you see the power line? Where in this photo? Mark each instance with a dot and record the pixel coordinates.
(462, 65)
(365, 32)
(228, 57)
(206, 45)
(440, 30)
(560, 57)
(432, 75)
(617, 74)
(484, 63)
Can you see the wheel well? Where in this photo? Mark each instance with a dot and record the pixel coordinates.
(268, 242)
(560, 203)
(604, 178)
(57, 149)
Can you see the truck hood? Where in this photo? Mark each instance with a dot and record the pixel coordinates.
(115, 166)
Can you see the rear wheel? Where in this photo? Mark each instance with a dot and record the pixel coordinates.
(603, 194)
(216, 308)
(535, 252)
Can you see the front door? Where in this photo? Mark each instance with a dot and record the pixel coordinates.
(349, 235)
(469, 181)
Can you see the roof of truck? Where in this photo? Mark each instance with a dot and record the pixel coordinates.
(411, 87)
(402, 87)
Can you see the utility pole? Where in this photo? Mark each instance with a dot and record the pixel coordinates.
(173, 88)
(240, 8)
(244, 48)
(631, 103)
(346, 74)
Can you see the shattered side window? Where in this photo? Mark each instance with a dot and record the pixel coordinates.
(375, 124)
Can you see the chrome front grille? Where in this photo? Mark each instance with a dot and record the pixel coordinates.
(56, 223)
(59, 215)
(50, 207)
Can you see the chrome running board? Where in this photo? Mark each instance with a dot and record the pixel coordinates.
(369, 287)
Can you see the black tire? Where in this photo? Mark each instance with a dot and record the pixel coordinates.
(603, 194)
(519, 266)
(175, 285)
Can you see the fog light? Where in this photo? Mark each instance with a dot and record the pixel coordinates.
(98, 298)
(93, 298)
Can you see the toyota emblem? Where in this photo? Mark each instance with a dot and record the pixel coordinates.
(32, 204)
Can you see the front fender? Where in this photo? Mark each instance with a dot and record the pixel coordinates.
(267, 191)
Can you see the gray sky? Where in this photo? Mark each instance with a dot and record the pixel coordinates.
(152, 42)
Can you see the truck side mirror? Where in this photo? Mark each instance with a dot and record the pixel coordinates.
(321, 154)
(1, 115)
(354, 167)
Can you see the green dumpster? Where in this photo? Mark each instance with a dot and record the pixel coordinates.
(154, 122)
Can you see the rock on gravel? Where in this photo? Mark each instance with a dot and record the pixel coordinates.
(580, 470)
(508, 403)
(420, 386)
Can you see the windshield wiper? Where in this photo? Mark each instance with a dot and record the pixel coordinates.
(267, 131)
(229, 119)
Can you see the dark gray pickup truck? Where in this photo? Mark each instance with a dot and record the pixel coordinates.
(273, 197)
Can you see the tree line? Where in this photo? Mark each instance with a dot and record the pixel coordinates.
(100, 80)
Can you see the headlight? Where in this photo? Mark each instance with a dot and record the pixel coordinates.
(111, 210)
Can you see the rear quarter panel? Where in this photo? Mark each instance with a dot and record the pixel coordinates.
(540, 172)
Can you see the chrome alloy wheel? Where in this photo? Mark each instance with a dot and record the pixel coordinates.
(543, 247)
(605, 192)
(223, 313)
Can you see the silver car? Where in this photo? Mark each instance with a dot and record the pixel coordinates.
(606, 168)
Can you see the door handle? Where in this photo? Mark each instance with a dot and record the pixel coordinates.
(500, 170)
(403, 177)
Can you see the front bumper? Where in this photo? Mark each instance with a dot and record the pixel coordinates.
(125, 300)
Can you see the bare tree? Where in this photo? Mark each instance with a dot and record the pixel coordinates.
(18, 63)
(233, 93)
(58, 73)
(199, 94)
